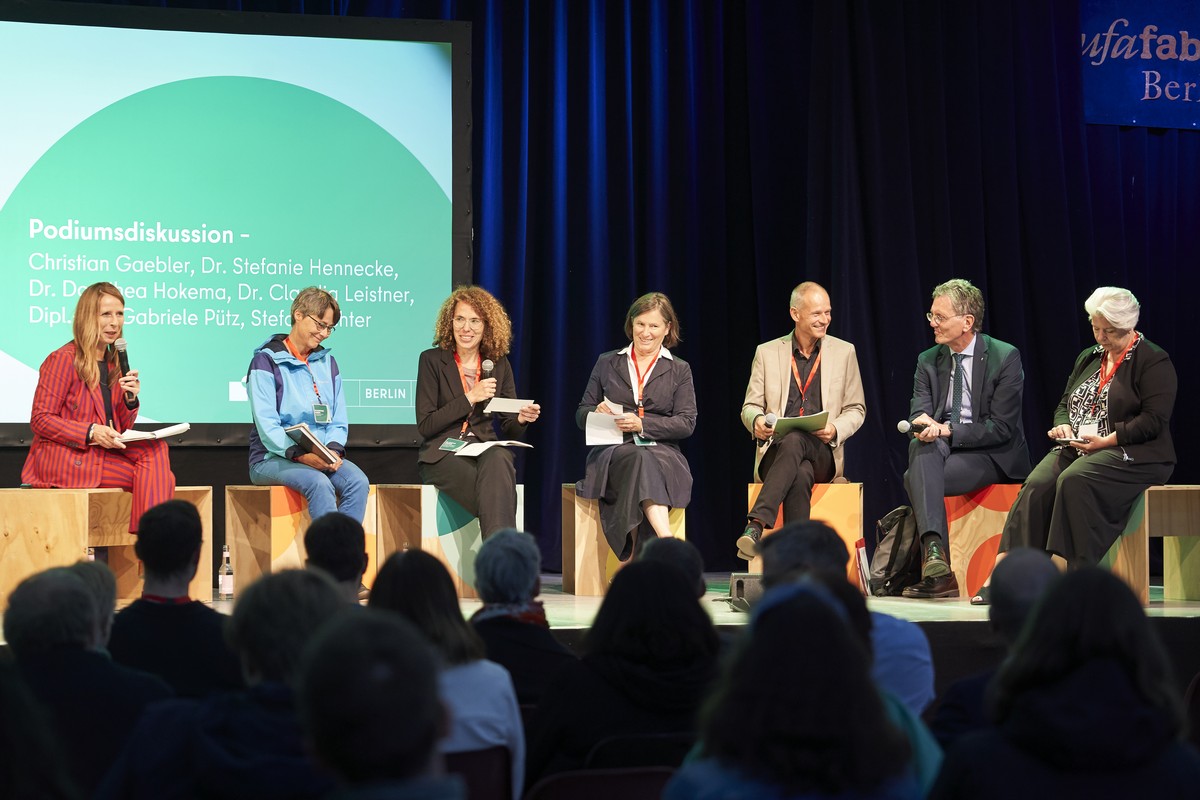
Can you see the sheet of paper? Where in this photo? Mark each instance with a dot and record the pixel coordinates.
(161, 433)
(601, 429)
(505, 405)
(614, 407)
(810, 423)
(476, 448)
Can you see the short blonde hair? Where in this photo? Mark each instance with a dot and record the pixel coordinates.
(965, 298)
(1116, 305)
(315, 301)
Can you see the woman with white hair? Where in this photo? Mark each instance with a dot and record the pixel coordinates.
(1113, 439)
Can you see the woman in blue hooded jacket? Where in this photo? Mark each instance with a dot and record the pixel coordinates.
(293, 378)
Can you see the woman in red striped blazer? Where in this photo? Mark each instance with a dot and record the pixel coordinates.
(80, 409)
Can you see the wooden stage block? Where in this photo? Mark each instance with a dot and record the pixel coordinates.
(838, 505)
(975, 521)
(589, 564)
(43, 528)
(419, 516)
(1171, 513)
(264, 528)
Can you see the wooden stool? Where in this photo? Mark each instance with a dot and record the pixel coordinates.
(264, 528)
(418, 516)
(974, 522)
(589, 564)
(43, 528)
(1171, 513)
(839, 505)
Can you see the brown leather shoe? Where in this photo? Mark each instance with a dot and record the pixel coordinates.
(929, 588)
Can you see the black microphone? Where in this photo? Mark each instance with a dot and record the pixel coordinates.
(904, 426)
(485, 372)
(123, 359)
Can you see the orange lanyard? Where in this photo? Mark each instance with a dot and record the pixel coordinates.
(462, 376)
(1107, 379)
(812, 373)
(287, 342)
(641, 379)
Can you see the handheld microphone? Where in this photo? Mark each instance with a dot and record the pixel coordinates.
(485, 372)
(904, 426)
(123, 359)
(770, 419)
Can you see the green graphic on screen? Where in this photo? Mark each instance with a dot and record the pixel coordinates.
(210, 202)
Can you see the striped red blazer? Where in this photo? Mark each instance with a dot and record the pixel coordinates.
(63, 408)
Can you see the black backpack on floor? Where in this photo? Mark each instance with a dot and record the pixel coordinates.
(896, 562)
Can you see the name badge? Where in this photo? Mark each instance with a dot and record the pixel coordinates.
(453, 444)
(321, 413)
(642, 441)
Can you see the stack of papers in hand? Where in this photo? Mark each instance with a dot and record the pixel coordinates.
(161, 433)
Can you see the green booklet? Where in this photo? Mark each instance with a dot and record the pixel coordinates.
(810, 423)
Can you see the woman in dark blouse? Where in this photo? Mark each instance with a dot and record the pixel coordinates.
(1113, 436)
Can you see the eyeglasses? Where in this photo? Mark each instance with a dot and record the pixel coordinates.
(938, 319)
(474, 323)
(321, 326)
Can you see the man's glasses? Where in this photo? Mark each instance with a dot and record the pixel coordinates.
(938, 319)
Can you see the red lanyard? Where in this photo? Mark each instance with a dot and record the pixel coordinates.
(812, 373)
(167, 601)
(1107, 379)
(641, 379)
(462, 376)
(287, 342)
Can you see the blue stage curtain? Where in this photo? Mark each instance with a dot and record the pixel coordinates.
(723, 152)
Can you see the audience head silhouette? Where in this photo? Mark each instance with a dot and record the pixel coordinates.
(1018, 582)
(799, 548)
(650, 615)
(680, 553)
(337, 544)
(368, 698)
(51, 609)
(507, 568)
(415, 585)
(1087, 622)
(169, 539)
(803, 724)
(275, 618)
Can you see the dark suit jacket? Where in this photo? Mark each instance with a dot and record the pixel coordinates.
(1141, 398)
(442, 405)
(63, 409)
(996, 386)
(669, 404)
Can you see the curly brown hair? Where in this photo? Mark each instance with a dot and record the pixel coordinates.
(497, 328)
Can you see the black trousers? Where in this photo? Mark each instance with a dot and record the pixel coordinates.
(1076, 506)
(485, 486)
(935, 473)
(789, 468)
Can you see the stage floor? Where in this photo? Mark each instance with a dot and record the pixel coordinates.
(569, 611)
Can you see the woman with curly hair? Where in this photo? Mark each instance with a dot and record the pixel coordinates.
(466, 368)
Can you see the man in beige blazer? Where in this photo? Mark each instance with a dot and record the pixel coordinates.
(802, 373)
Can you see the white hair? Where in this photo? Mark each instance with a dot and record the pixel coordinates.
(1116, 305)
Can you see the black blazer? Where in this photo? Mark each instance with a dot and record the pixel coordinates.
(1141, 398)
(998, 381)
(442, 405)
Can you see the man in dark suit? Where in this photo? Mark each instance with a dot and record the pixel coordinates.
(966, 415)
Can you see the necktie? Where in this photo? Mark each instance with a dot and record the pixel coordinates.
(956, 392)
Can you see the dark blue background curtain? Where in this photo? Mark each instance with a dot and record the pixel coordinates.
(723, 152)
